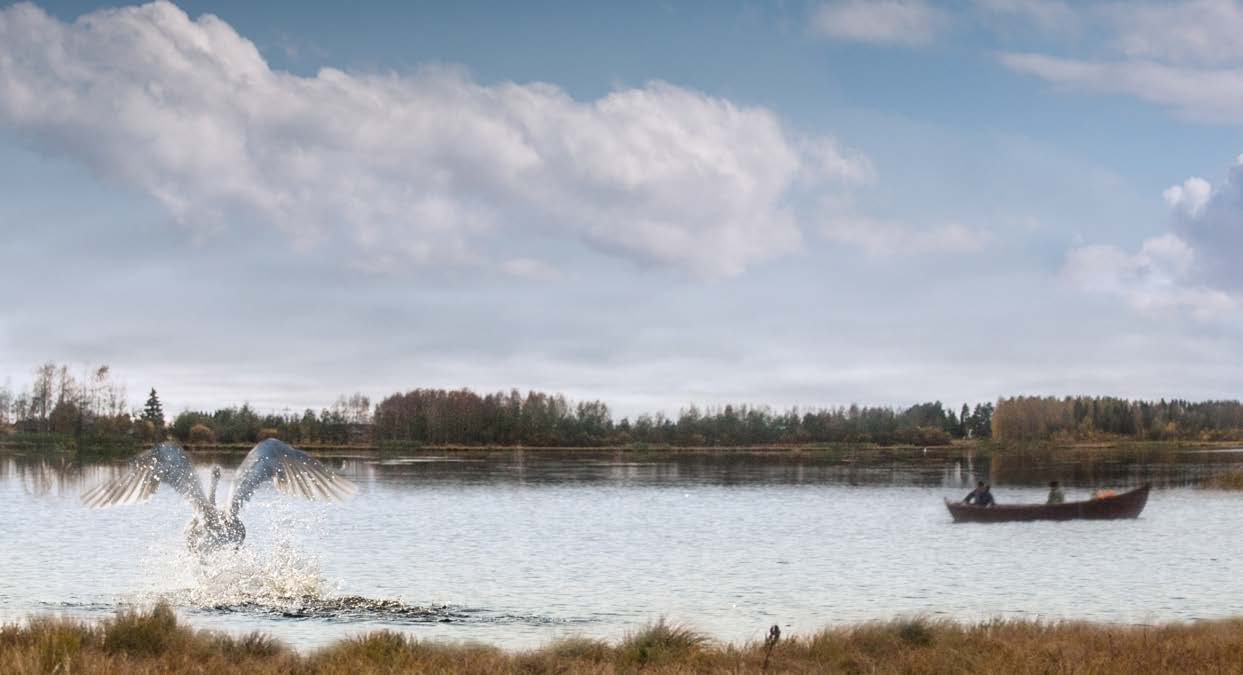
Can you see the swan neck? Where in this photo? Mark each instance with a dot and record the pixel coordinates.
(211, 490)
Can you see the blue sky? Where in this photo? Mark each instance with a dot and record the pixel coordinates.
(811, 203)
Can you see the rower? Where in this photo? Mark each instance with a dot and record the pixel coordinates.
(1055, 493)
(980, 496)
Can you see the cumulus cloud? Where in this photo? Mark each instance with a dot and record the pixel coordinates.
(1193, 267)
(402, 169)
(1185, 56)
(884, 238)
(896, 22)
(1161, 276)
(1210, 218)
(1189, 198)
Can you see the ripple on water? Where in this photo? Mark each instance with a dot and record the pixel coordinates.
(461, 552)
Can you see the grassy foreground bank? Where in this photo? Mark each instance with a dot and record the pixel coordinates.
(153, 641)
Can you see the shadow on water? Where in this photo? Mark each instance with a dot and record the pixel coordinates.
(345, 609)
(350, 609)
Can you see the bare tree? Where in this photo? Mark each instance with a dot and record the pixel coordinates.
(6, 402)
(41, 393)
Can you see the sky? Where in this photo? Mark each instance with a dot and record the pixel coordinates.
(651, 204)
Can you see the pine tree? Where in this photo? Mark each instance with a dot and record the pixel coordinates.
(154, 412)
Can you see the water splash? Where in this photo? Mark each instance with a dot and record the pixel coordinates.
(286, 582)
(273, 569)
(274, 577)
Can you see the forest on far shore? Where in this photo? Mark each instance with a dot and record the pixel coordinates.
(91, 408)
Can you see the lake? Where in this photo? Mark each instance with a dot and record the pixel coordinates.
(519, 548)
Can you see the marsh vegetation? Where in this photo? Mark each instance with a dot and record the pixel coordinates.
(154, 640)
(1229, 480)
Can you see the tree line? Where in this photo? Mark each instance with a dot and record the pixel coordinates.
(464, 417)
(61, 401)
(91, 407)
(346, 422)
(1027, 418)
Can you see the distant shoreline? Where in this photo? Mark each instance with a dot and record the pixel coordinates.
(54, 444)
(872, 449)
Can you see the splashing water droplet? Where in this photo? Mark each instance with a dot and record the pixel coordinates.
(271, 571)
(274, 578)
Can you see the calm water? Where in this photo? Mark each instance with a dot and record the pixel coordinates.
(519, 548)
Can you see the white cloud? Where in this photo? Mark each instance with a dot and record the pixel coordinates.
(1048, 15)
(897, 22)
(401, 169)
(1190, 198)
(1183, 55)
(531, 270)
(826, 160)
(886, 238)
(1159, 277)
(1210, 218)
(1200, 31)
(1214, 95)
(1195, 266)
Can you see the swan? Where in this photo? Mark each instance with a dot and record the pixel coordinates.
(214, 527)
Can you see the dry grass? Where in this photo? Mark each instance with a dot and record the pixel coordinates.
(136, 642)
(154, 642)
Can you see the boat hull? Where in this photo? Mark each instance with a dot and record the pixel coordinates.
(1125, 505)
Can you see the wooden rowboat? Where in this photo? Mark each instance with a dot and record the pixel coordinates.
(1125, 505)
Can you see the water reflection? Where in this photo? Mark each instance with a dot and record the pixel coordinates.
(61, 475)
(947, 468)
(42, 475)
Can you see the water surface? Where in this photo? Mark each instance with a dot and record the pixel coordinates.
(519, 548)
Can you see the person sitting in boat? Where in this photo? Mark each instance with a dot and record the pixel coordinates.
(1056, 496)
(980, 496)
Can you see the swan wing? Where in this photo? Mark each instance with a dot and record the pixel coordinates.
(291, 470)
(165, 463)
